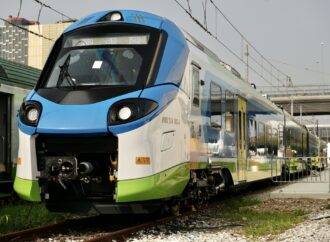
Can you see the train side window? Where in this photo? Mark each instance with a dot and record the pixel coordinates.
(261, 139)
(252, 137)
(280, 135)
(240, 125)
(229, 115)
(269, 138)
(195, 80)
(288, 137)
(215, 106)
(244, 125)
(275, 141)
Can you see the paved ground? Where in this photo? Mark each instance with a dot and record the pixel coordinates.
(316, 186)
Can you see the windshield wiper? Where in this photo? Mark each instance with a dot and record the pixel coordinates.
(64, 73)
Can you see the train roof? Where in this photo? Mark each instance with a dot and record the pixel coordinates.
(18, 75)
(249, 92)
(120, 16)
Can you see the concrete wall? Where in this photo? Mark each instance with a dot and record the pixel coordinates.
(39, 48)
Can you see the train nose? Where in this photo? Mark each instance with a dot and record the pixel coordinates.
(71, 119)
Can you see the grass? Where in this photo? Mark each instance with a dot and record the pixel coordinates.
(328, 206)
(259, 223)
(24, 215)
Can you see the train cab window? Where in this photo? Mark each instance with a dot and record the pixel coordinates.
(111, 59)
(252, 137)
(229, 115)
(215, 106)
(195, 80)
(261, 139)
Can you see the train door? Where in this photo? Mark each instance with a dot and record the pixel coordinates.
(4, 134)
(197, 149)
(241, 140)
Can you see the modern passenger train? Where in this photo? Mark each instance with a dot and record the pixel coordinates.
(131, 112)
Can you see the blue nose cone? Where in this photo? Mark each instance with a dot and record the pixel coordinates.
(73, 119)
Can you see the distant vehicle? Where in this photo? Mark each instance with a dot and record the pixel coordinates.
(131, 113)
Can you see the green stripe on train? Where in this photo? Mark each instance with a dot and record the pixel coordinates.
(27, 189)
(168, 183)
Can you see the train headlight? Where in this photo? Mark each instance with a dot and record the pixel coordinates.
(32, 115)
(29, 112)
(115, 16)
(124, 113)
(129, 110)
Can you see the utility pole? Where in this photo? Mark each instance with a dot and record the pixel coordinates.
(322, 63)
(246, 54)
(291, 105)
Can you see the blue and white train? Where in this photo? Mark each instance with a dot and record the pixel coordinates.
(130, 112)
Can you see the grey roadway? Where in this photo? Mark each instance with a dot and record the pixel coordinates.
(316, 186)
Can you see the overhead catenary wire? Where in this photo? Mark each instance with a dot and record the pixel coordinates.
(53, 9)
(25, 29)
(221, 42)
(253, 47)
(20, 8)
(193, 18)
(245, 39)
(42, 5)
(301, 67)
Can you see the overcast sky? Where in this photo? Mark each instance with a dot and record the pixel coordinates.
(289, 33)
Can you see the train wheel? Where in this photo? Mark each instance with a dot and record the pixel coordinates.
(228, 180)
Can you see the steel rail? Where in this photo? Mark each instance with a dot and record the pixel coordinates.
(119, 234)
(23, 235)
(122, 234)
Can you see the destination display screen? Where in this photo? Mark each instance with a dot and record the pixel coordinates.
(108, 39)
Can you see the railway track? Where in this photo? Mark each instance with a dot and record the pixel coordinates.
(91, 229)
(105, 228)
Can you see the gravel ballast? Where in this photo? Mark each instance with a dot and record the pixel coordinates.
(207, 226)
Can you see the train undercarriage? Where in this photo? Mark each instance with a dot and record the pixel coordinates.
(79, 175)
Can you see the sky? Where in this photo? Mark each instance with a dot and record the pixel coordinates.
(294, 35)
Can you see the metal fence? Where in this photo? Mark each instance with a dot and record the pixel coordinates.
(300, 170)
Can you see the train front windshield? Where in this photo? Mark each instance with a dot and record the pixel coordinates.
(103, 58)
